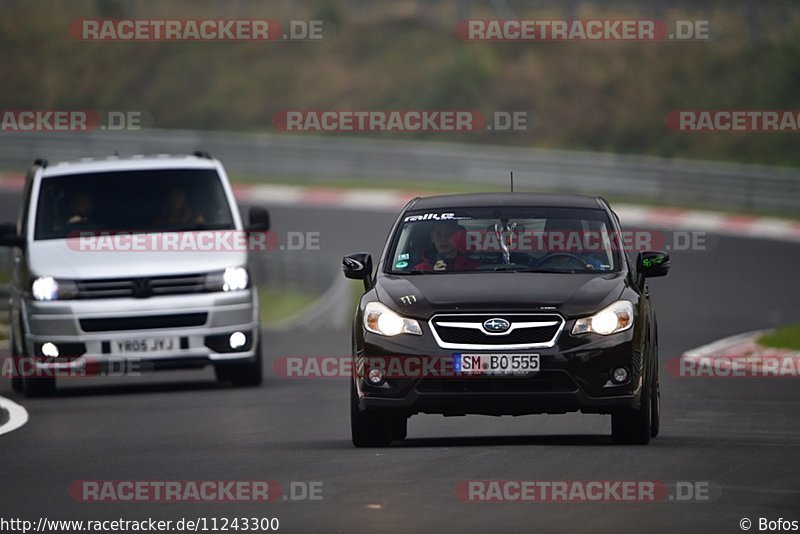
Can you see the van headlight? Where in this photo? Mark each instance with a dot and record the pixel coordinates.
(48, 288)
(231, 279)
(381, 320)
(615, 318)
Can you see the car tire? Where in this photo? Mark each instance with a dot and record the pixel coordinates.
(16, 381)
(400, 429)
(371, 429)
(655, 424)
(634, 426)
(249, 374)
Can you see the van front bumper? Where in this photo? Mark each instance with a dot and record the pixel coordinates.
(186, 330)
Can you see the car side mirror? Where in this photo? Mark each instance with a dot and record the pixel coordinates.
(652, 263)
(258, 219)
(9, 236)
(358, 266)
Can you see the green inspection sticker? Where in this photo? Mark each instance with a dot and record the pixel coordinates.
(401, 265)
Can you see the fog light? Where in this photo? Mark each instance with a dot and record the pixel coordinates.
(619, 375)
(237, 340)
(50, 350)
(375, 376)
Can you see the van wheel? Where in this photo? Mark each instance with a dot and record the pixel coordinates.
(634, 426)
(242, 374)
(32, 386)
(373, 429)
(16, 384)
(38, 386)
(16, 380)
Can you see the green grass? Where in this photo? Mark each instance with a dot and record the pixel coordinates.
(787, 337)
(277, 304)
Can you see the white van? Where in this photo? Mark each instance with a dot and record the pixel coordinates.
(135, 297)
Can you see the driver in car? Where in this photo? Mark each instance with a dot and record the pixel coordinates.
(81, 205)
(446, 236)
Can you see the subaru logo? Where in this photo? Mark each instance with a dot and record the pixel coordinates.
(496, 325)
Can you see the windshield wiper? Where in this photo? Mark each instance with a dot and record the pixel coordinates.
(532, 270)
(191, 228)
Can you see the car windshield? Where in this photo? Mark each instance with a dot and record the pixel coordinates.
(163, 200)
(534, 239)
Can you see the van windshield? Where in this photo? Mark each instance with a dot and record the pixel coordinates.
(160, 200)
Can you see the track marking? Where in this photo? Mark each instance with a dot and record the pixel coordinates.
(17, 415)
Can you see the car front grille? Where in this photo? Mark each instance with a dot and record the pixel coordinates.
(466, 331)
(145, 322)
(141, 287)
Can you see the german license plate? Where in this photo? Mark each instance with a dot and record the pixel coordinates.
(496, 364)
(145, 345)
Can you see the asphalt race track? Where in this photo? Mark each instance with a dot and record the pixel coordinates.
(741, 435)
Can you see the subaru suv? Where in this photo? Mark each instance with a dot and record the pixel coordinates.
(505, 304)
(107, 269)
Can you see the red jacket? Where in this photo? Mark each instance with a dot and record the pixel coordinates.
(460, 263)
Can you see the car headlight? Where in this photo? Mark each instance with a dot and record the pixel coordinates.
(48, 288)
(612, 319)
(231, 279)
(381, 320)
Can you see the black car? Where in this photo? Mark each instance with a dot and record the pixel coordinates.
(520, 303)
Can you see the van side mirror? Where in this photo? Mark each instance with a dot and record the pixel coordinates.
(651, 263)
(9, 236)
(358, 266)
(258, 219)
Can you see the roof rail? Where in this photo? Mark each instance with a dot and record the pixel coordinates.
(41, 162)
(202, 154)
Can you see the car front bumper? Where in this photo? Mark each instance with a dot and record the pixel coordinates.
(574, 376)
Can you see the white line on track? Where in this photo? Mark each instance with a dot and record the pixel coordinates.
(17, 415)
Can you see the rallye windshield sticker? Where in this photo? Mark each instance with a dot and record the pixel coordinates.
(447, 216)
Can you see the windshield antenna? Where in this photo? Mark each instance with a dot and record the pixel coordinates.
(512, 181)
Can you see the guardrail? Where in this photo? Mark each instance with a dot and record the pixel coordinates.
(271, 156)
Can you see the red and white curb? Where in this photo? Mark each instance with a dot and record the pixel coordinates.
(387, 200)
(721, 357)
(738, 345)
(17, 415)
(629, 214)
